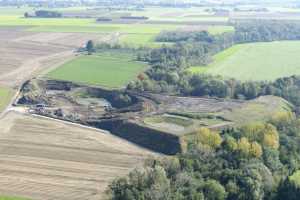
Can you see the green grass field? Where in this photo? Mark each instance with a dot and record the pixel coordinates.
(80, 25)
(5, 97)
(13, 16)
(88, 25)
(220, 29)
(138, 40)
(256, 61)
(11, 198)
(106, 70)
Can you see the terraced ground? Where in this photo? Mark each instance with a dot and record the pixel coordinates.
(42, 159)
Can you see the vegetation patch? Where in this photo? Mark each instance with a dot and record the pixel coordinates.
(295, 178)
(172, 124)
(259, 110)
(255, 61)
(220, 29)
(108, 70)
(11, 198)
(5, 97)
(171, 119)
(137, 40)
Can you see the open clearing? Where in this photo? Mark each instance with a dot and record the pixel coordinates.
(256, 61)
(43, 159)
(112, 71)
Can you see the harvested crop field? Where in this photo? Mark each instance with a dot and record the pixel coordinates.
(43, 159)
(24, 53)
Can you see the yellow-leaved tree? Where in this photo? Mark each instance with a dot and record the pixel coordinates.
(249, 149)
(264, 133)
(271, 137)
(281, 119)
(256, 150)
(208, 138)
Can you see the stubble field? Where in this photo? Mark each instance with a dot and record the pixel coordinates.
(43, 159)
(24, 53)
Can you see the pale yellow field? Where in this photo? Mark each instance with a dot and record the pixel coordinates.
(24, 53)
(44, 159)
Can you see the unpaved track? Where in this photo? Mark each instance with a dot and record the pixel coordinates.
(44, 159)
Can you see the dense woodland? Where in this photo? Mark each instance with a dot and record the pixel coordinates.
(168, 73)
(255, 162)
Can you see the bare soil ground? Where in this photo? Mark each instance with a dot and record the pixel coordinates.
(43, 159)
(25, 53)
(200, 105)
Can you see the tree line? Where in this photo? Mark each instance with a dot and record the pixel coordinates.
(169, 63)
(44, 14)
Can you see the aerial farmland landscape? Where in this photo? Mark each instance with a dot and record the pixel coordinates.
(149, 100)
